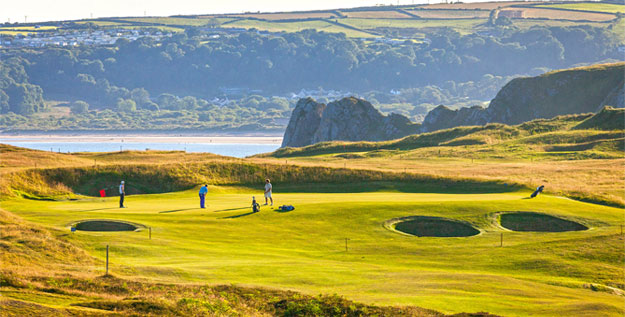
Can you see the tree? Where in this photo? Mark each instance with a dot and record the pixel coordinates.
(140, 96)
(4, 102)
(25, 99)
(168, 101)
(79, 106)
(126, 105)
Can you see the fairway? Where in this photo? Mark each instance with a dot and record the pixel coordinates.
(306, 249)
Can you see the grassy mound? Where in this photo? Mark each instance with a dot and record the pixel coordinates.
(608, 118)
(421, 226)
(149, 179)
(529, 221)
(105, 225)
(541, 131)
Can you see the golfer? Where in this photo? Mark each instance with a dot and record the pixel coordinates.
(122, 193)
(203, 191)
(255, 205)
(268, 189)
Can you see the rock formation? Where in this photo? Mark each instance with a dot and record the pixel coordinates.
(348, 119)
(576, 90)
(304, 123)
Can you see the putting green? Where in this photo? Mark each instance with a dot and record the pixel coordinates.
(305, 250)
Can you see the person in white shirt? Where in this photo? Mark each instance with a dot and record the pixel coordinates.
(122, 193)
(268, 189)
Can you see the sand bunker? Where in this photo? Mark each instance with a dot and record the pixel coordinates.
(531, 221)
(422, 226)
(106, 225)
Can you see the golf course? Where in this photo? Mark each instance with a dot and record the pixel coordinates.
(342, 239)
(426, 225)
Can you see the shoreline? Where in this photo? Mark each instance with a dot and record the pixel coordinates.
(142, 138)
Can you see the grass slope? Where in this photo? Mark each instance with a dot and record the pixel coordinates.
(304, 250)
(45, 274)
(557, 92)
(575, 155)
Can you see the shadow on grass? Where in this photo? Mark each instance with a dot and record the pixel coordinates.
(175, 210)
(282, 211)
(98, 209)
(239, 216)
(231, 209)
(443, 186)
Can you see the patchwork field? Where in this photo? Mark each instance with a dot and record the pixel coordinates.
(296, 26)
(465, 18)
(587, 6)
(288, 15)
(387, 14)
(545, 273)
(450, 14)
(543, 13)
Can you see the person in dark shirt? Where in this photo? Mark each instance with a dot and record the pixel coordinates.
(538, 190)
(255, 205)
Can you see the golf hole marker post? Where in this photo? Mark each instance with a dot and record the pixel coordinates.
(107, 259)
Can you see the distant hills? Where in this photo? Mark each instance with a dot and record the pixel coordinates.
(570, 91)
(245, 72)
(577, 90)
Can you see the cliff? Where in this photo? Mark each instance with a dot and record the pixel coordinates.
(348, 119)
(304, 122)
(570, 91)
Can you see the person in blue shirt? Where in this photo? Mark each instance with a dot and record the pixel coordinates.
(203, 191)
(122, 194)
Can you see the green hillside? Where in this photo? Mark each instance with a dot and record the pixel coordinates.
(557, 92)
(603, 127)
(579, 156)
(607, 119)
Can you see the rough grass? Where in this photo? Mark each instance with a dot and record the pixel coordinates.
(59, 183)
(608, 118)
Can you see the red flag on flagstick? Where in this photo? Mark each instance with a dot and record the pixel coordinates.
(102, 193)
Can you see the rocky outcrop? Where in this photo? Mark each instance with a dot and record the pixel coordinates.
(304, 122)
(348, 119)
(442, 117)
(576, 90)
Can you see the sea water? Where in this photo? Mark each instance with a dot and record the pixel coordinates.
(240, 149)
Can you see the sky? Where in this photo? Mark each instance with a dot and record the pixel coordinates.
(58, 10)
